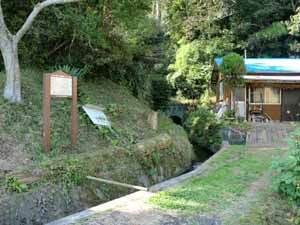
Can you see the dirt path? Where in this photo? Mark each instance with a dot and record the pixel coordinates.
(241, 207)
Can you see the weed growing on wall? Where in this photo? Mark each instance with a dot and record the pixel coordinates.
(12, 184)
(67, 173)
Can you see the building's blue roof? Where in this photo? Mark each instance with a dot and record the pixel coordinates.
(265, 65)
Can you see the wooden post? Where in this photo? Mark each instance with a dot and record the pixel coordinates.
(46, 112)
(59, 85)
(74, 122)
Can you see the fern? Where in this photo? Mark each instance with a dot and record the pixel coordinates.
(73, 71)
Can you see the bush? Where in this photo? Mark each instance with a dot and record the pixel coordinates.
(204, 130)
(206, 99)
(229, 114)
(232, 68)
(286, 179)
(190, 72)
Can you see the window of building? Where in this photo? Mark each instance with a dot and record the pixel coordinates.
(272, 95)
(266, 95)
(239, 94)
(257, 95)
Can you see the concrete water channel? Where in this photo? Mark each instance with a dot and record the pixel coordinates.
(133, 209)
(49, 203)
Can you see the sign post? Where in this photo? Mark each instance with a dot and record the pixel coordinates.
(59, 85)
(46, 112)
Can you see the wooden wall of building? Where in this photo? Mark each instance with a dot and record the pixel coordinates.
(273, 111)
(227, 94)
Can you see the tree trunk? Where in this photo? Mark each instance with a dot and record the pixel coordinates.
(12, 90)
(9, 48)
(157, 13)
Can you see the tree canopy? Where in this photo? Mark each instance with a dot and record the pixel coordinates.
(121, 40)
(232, 69)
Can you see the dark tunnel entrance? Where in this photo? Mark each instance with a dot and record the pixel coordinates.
(177, 120)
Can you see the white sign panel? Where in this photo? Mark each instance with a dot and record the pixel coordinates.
(97, 115)
(61, 86)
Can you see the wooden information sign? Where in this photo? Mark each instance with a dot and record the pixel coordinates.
(59, 85)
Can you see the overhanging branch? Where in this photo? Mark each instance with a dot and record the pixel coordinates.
(2, 23)
(37, 9)
(4, 32)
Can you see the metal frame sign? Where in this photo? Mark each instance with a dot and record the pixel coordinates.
(96, 115)
(59, 85)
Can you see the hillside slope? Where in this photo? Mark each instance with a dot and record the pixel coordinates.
(135, 154)
(21, 124)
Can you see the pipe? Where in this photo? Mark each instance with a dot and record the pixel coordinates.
(117, 183)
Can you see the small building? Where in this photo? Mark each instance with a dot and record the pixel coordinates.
(271, 89)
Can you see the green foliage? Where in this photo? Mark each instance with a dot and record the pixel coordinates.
(294, 24)
(73, 71)
(203, 129)
(214, 28)
(160, 93)
(190, 73)
(69, 172)
(22, 122)
(232, 69)
(261, 24)
(294, 29)
(229, 114)
(12, 184)
(271, 33)
(114, 37)
(287, 171)
(197, 36)
(108, 37)
(150, 162)
(114, 110)
(193, 19)
(206, 99)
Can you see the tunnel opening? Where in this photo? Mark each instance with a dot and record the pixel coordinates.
(177, 120)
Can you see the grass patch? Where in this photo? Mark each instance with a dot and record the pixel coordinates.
(268, 209)
(24, 120)
(228, 177)
(128, 116)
